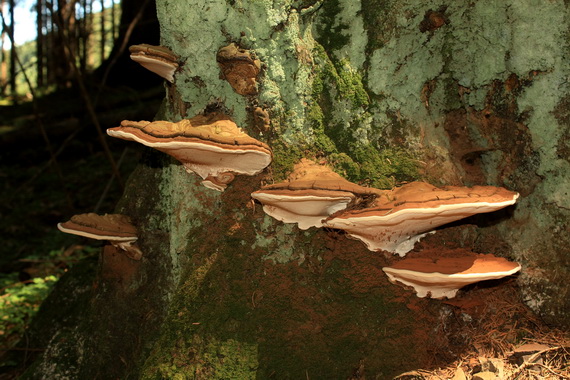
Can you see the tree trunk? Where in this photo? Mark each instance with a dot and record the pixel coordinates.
(138, 24)
(103, 32)
(51, 45)
(83, 35)
(470, 93)
(40, 57)
(113, 21)
(12, 76)
(3, 64)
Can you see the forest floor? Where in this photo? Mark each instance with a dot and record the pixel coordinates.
(486, 332)
(40, 188)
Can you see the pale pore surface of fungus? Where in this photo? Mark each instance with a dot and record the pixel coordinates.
(211, 146)
(158, 59)
(115, 228)
(444, 276)
(310, 194)
(401, 217)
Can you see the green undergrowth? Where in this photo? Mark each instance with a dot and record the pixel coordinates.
(20, 300)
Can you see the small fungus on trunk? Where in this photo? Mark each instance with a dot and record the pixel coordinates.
(211, 146)
(312, 193)
(116, 228)
(396, 221)
(240, 68)
(444, 276)
(158, 59)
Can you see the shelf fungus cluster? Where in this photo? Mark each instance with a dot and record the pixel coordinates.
(115, 228)
(444, 276)
(385, 220)
(390, 220)
(211, 146)
(158, 59)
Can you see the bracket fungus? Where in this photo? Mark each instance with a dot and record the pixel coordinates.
(443, 277)
(239, 68)
(396, 221)
(312, 193)
(115, 228)
(211, 146)
(158, 59)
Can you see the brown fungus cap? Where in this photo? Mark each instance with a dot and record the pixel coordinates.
(158, 59)
(115, 228)
(239, 68)
(444, 276)
(310, 194)
(401, 217)
(211, 146)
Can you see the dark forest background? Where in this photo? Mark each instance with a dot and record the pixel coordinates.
(58, 94)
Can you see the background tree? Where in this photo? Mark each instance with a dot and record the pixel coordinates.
(383, 92)
(3, 64)
(12, 76)
(40, 42)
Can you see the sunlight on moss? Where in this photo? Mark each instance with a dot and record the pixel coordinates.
(19, 302)
(6, 128)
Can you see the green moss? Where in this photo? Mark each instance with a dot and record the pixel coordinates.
(344, 165)
(285, 156)
(341, 76)
(340, 123)
(207, 358)
(184, 351)
(323, 144)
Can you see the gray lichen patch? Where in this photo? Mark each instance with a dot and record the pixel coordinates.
(447, 75)
(457, 53)
(278, 240)
(283, 81)
(186, 204)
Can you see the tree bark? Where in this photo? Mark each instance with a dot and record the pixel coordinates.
(3, 64)
(471, 93)
(138, 24)
(40, 57)
(103, 32)
(113, 21)
(65, 41)
(83, 35)
(12, 76)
